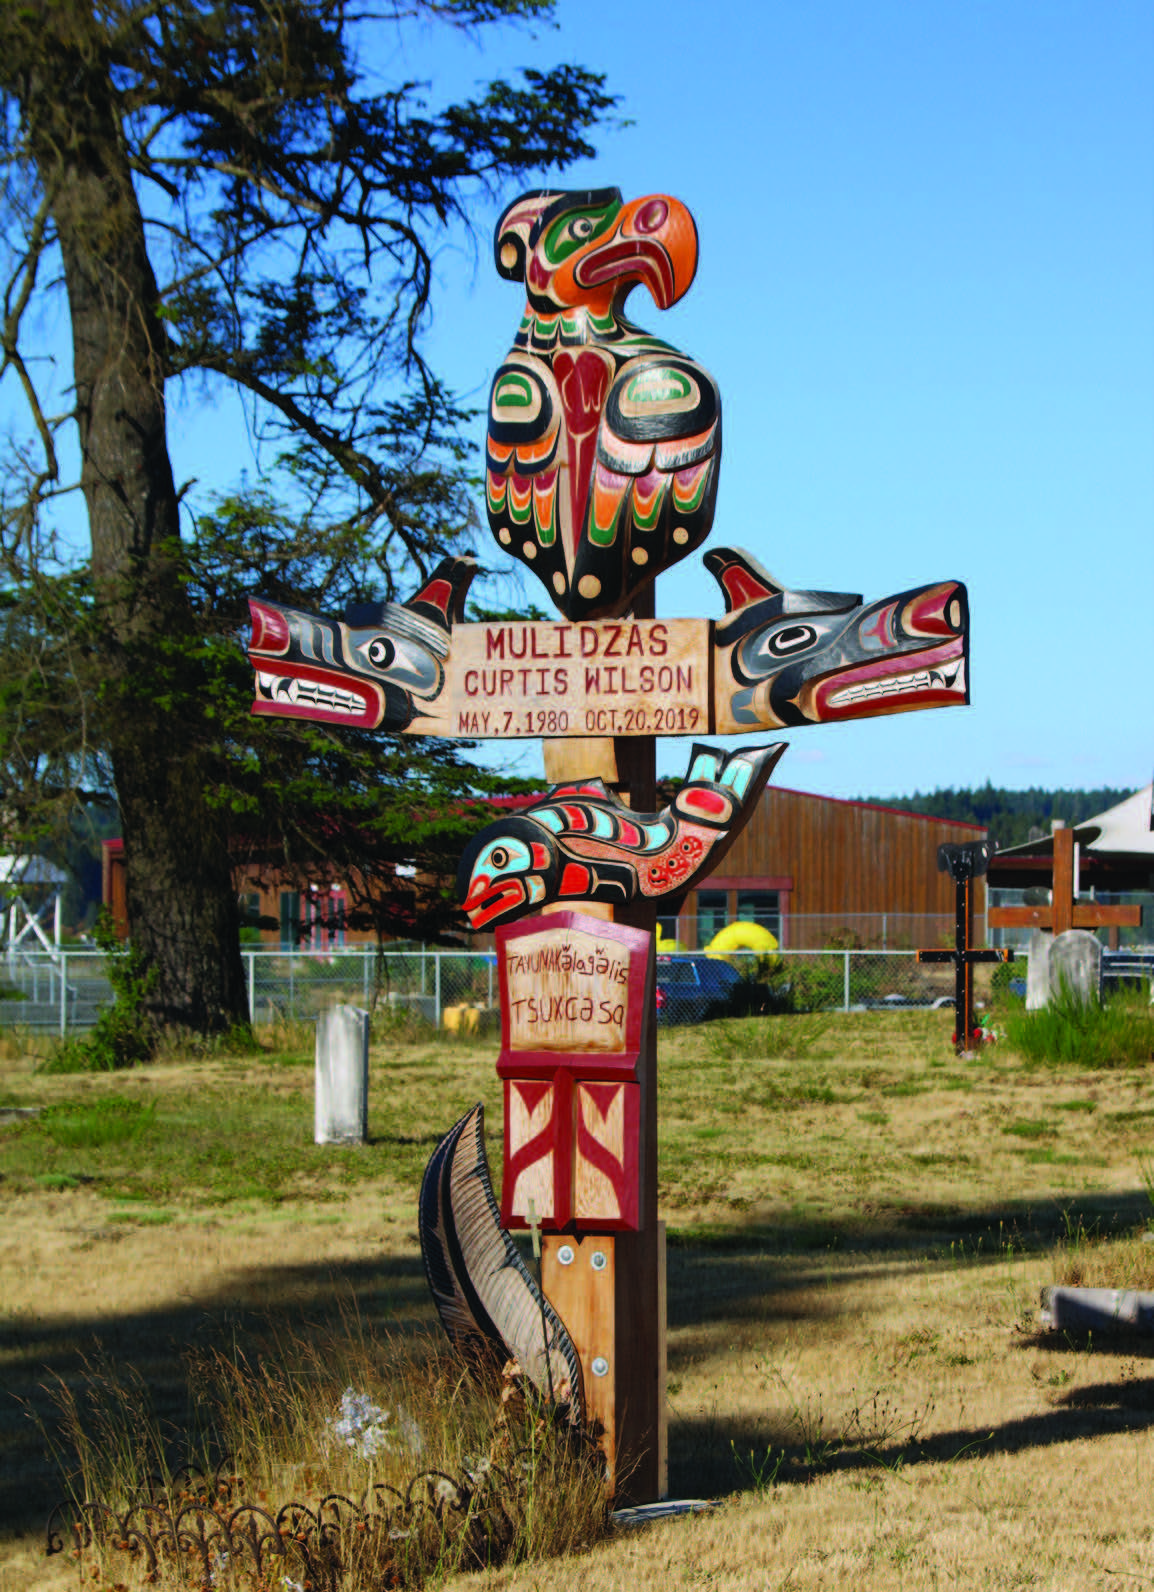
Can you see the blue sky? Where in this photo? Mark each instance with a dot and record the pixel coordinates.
(926, 290)
(927, 293)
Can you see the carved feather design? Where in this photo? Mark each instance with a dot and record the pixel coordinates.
(488, 1302)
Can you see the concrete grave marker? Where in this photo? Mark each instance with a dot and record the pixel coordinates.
(1038, 970)
(342, 1077)
(1076, 965)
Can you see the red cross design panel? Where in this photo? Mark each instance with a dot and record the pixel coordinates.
(538, 1151)
(606, 1173)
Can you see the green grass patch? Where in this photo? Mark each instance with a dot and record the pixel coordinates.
(1118, 1032)
(143, 1216)
(96, 1123)
(1030, 1128)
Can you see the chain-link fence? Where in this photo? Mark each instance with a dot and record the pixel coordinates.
(821, 931)
(62, 993)
(694, 988)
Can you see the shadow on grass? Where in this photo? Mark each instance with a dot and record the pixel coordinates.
(711, 1458)
(759, 1274)
(390, 1295)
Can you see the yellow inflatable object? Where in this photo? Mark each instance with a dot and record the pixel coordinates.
(667, 946)
(461, 1019)
(742, 937)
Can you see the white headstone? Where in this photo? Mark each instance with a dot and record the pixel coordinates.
(342, 1095)
(1076, 965)
(1038, 970)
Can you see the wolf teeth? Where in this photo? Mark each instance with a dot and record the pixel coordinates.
(287, 688)
(871, 690)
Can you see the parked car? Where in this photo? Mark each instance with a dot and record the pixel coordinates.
(692, 988)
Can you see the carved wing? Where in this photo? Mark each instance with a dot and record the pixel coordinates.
(654, 485)
(523, 457)
(488, 1302)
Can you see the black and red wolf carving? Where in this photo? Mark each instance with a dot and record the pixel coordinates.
(370, 670)
(786, 658)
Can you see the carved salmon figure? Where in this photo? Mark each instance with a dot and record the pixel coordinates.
(582, 843)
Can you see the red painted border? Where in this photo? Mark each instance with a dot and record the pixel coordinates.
(563, 1128)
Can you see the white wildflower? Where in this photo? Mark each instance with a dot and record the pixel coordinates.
(369, 1430)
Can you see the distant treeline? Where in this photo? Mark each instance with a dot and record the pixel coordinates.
(1009, 815)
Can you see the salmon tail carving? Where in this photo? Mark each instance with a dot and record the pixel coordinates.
(487, 1299)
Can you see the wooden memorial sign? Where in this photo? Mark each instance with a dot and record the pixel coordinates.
(573, 1018)
(778, 659)
(602, 456)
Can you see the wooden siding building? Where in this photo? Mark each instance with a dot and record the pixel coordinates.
(814, 870)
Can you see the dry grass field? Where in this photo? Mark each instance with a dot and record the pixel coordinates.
(859, 1224)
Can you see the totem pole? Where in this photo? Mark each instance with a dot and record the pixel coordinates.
(602, 460)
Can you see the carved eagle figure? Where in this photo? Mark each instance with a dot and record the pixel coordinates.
(603, 442)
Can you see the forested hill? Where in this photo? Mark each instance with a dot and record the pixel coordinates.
(1009, 815)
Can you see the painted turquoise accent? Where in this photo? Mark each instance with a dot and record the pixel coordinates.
(737, 777)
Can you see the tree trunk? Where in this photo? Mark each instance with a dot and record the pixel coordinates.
(182, 908)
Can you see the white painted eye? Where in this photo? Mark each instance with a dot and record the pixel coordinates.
(380, 652)
(794, 638)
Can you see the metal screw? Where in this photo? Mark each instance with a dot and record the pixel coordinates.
(599, 1260)
(566, 1255)
(600, 1366)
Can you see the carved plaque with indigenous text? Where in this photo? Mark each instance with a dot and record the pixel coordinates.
(573, 1005)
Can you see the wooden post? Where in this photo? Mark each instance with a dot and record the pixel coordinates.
(615, 1311)
(964, 864)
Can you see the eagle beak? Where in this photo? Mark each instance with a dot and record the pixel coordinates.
(653, 242)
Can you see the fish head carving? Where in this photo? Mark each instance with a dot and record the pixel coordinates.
(590, 248)
(507, 870)
(805, 657)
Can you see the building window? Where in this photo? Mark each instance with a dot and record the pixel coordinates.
(290, 919)
(760, 906)
(712, 914)
(337, 914)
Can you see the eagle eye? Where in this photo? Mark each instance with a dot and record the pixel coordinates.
(381, 652)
